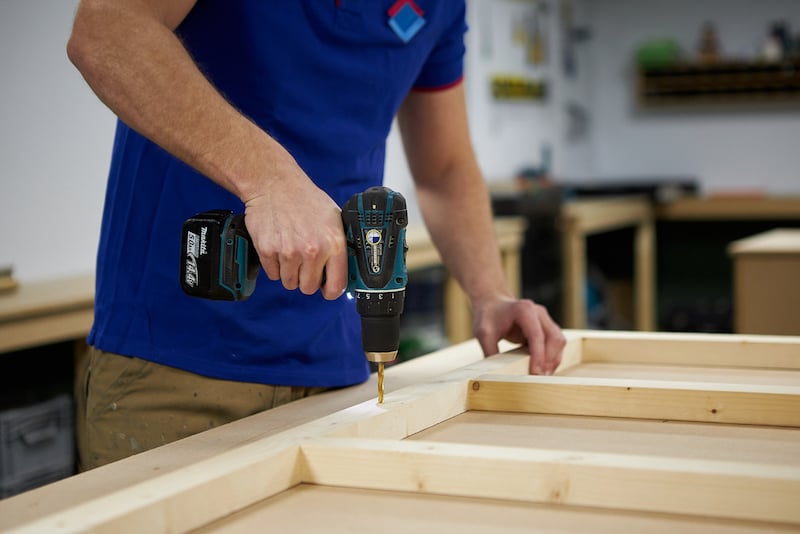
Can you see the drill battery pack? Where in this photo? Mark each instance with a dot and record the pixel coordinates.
(218, 260)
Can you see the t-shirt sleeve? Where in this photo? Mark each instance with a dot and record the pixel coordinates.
(445, 65)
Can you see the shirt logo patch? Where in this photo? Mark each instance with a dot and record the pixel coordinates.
(405, 18)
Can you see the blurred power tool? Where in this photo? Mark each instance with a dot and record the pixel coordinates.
(219, 262)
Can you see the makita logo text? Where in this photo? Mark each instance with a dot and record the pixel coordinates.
(203, 232)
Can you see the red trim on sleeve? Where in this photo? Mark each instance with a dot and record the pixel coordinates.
(399, 5)
(438, 87)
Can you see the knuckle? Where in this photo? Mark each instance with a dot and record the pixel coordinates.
(526, 306)
(483, 330)
(289, 256)
(311, 249)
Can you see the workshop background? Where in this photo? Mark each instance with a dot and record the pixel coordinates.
(650, 150)
(56, 136)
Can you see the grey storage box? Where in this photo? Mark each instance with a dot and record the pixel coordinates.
(37, 445)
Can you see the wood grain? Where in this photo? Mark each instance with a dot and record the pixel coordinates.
(339, 510)
(751, 491)
(644, 399)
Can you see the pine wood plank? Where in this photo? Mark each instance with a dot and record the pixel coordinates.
(750, 491)
(720, 350)
(682, 373)
(338, 510)
(181, 501)
(644, 399)
(642, 437)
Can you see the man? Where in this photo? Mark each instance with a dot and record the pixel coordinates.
(281, 109)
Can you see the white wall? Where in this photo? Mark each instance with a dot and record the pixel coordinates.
(508, 136)
(55, 141)
(726, 150)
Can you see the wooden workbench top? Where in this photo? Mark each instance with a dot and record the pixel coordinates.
(47, 297)
(731, 208)
(777, 241)
(49, 311)
(172, 457)
(690, 432)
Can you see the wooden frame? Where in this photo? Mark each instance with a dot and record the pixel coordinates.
(365, 445)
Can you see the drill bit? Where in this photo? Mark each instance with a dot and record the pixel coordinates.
(380, 383)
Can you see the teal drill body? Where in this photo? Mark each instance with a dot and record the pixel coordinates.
(220, 262)
(375, 224)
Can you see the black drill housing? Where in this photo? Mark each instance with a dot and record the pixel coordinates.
(218, 260)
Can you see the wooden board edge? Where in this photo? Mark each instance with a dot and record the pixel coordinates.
(182, 500)
(711, 350)
(730, 490)
(641, 399)
(419, 406)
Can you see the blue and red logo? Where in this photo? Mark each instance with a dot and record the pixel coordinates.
(405, 18)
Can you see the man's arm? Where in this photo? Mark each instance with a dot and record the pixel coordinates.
(129, 54)
(455, 205)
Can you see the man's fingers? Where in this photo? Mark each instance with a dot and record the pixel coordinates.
(528, 320)
(335, 276)
(272, 267)
(537, 351)
(554, 344)
(290, 272)
(488, 344)
(312, 269)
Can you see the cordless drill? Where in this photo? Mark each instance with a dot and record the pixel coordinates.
(219, 262)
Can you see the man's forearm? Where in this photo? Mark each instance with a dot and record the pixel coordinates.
(451, 191)
(457, 212)
(132, 59)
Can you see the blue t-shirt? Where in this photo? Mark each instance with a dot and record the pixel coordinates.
(325, 79)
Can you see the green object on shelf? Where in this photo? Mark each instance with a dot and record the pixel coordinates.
(658, 54)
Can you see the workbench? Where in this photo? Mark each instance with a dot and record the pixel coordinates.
(582, 218)
(637, 432)
(61, 309)
(766, 274)
(46, 312)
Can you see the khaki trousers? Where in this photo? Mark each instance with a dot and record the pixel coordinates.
(128, 405)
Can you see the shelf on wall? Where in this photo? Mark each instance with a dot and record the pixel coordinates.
(720, 83)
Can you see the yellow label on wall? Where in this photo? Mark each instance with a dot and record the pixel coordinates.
(518, 88)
